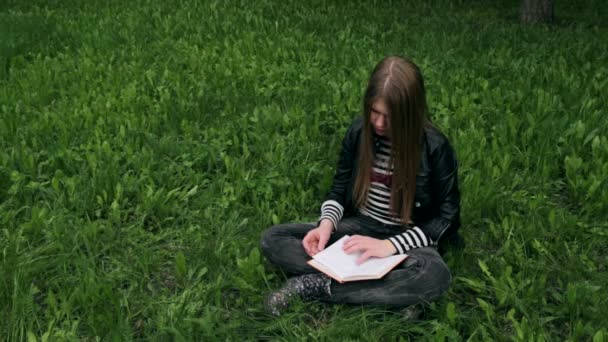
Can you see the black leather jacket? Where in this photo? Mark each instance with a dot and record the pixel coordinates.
(437, 200)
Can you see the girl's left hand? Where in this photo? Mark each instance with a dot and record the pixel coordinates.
(369, 247)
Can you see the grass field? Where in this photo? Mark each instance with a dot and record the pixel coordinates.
(145, 145)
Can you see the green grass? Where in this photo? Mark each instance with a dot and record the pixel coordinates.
(145, 145)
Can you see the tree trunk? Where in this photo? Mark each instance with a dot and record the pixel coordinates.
(536, 11)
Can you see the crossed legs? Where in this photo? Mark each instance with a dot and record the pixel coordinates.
(421, 278)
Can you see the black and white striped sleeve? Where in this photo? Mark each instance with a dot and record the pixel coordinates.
(333, 211)
(410, 239)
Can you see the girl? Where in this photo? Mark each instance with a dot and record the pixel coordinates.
(395, 190)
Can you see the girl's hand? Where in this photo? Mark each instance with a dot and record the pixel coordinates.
(369, 247)
(316, 239)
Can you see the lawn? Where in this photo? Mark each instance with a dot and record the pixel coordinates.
(145, 145)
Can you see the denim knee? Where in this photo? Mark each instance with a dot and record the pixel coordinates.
(439, 274)
(268, 236)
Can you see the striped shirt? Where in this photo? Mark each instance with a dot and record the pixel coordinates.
(377, 204)
(379, 194)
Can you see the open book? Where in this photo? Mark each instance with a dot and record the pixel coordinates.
(343, 267)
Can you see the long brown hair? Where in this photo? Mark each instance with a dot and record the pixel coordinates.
(398, 82)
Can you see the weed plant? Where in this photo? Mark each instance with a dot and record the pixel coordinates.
(145, 145)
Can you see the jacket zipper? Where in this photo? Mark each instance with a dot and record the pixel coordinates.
(436, 242)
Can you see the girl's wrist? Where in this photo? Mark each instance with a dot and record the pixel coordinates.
(326, 224)
(390, 247)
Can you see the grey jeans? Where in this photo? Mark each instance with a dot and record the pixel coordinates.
(421, 278)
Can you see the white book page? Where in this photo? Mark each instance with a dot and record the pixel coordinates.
(335, 258)
(345, 265)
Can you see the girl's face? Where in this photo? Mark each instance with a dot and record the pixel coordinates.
(379, 118)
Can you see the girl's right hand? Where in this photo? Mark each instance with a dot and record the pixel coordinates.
(317, 238)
